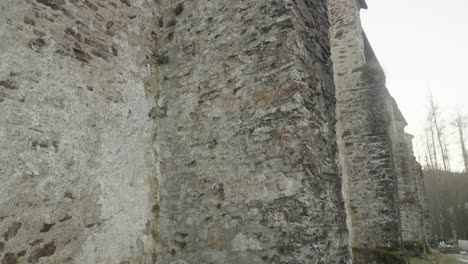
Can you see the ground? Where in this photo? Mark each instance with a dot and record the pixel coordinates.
(441, 259)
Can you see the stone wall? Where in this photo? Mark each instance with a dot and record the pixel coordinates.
(383, 180)
(246, 140)
(76, 157)
(416, 171)
(409, 180)
(180, 132)
(363, 132)
(164, 132)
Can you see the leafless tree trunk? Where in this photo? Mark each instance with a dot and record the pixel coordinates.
(431, 164)
(434, 147)
(434, 115)
(447, 156)
(460, 123)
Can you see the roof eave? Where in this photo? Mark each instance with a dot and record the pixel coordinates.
(362, 4)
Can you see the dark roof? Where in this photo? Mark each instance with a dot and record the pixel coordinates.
(371, 59)
(369, 52)
(362, 4)
(397, 113)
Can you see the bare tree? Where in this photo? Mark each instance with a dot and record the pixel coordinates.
(446, 152)
(460, 124)
(434, 115)
(429, 153)
(434, 150)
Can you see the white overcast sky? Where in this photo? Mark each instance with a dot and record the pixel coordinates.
(422, 45)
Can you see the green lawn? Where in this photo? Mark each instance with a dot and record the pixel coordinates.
(435, 259)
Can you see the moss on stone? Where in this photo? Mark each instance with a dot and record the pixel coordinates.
(379, 255)
(372, 73)
(179, 9)
(416, 246)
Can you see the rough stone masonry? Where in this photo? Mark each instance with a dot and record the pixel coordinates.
(246, 143)
(189, 132)
(363, 132)
(77, 159)
(382, 179)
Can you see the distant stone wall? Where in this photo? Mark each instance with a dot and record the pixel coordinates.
(416, 170)
(76, 157)
(412, 202)
(383, 181)
(246, 140)
(363, 132)
(411, 210)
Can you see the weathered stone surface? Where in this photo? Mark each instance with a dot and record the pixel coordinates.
(410, 209)
(383, 181)
(412, 203)
(422, 233)
(426, 221)
(248, 165)
(363, 129)
(187, 132)
(76, 157)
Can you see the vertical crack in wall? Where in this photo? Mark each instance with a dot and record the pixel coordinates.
(153, 86)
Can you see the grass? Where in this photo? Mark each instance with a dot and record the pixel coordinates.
(435, 259)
